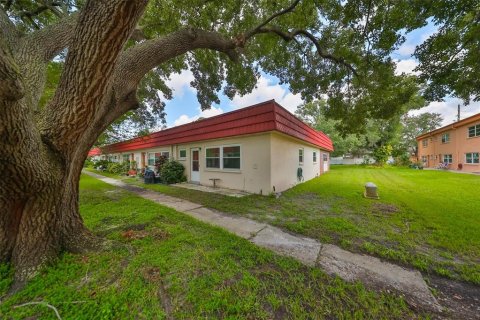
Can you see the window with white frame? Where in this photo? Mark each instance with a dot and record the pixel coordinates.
(424, 158)
(474, 131)
(300, 155)
(472, 158)
(212, 156)
(231, 157)
(447, 158)
(325, 157)
(314, 156)
(446, 137)
(225, 157)
(125, 158)
(182, 154)
(154, 157)
(424, 143)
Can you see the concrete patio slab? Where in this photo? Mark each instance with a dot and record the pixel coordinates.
(377, 274)
(222, 191)
(303, 249)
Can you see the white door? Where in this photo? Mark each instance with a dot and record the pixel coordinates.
(195, 166)
(325, 162)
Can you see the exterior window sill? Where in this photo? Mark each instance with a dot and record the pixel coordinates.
(223, 170)
(473, 137)
(471, 164)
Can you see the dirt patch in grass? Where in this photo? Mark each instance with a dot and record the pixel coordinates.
(384, 208)
(151, 274)
(462, 299)
(157, 234)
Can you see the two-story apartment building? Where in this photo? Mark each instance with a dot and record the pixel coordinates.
(457, 144)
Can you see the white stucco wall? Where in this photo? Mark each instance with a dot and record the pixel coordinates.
(254, 173)
(285, 161)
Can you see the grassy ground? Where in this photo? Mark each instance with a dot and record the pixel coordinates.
(175, 267)
(426, 219)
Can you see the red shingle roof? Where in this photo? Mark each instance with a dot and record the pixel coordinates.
(262, 117)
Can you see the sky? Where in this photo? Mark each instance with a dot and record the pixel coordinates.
(184, 107)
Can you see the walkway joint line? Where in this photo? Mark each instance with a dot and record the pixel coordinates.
(256, 233)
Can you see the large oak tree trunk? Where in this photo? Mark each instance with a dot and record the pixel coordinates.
(42, 151)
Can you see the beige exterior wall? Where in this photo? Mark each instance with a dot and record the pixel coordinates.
(268, 161)
(458, 146)
(285, 161)
(254, 173)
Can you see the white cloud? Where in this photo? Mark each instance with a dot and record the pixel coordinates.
(448, 109)
(406, 66)
(406, 49)
(179, 82)
(183, 119)
(266, 90)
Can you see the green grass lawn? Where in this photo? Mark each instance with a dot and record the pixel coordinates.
(172, 266)
(426, 219)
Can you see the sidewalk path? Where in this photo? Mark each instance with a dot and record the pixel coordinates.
(349, 266)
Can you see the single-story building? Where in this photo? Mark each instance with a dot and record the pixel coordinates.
(259, 149)
(457, 145)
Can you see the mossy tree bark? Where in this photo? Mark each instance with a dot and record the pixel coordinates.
(42, 151)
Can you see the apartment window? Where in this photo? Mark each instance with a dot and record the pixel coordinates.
(230, 156)
(213, 158)
(472, 157)
(424, 143)
(447, 158)
(182, 154)
(445, 137)
(314, 156)
(154, 157)
(300, 156)
(474, 131)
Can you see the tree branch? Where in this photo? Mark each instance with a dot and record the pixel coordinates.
(255, 30)
(52, 39)
(135, 62)
(103, 28)
(8, 31)
(11, 87)
(289, 36)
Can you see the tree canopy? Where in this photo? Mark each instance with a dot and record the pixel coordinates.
(338, 50)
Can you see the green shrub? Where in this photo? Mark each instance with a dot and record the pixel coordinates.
(381, 154)
(172, 172)
(101, 164)
(89, 163)
(403, 160)
(118, 168)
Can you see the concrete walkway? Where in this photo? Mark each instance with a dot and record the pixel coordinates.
(373, 272)
(219, 190)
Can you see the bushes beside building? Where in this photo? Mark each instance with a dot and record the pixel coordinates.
(172, 172)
